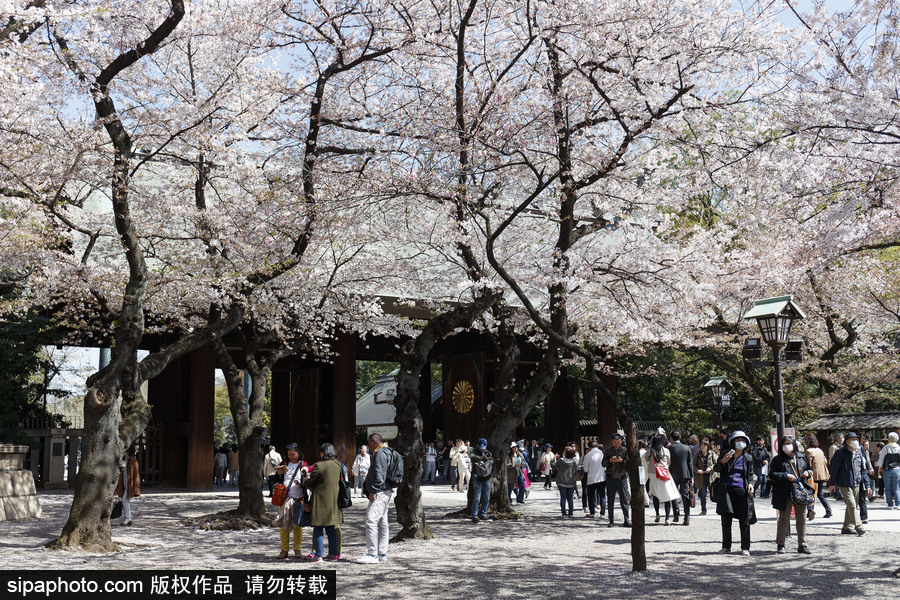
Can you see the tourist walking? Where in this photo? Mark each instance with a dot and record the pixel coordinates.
(682, 470)
(761, 459)
(595, 473)
(482, 468)
(735, 491)
(704, 461)
(360, 470)
(616, 479)
(819, 466)
(325, 516)
(546, 468)
(847, 472)
(430, 469)
(291, 474)
(566, 466)
(515, 462)
(234, 464)
(220, 465)
(463, 468)
(788, 469)
(662, 488)
(378, 490)
(889, 464)
(129, 485)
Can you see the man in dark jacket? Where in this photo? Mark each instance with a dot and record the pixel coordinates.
(378, 491)
(482, 468)
(682, 471)
(761, 457)
(847, 471)
(616, 479)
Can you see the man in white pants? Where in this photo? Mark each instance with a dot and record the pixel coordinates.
(378, 491)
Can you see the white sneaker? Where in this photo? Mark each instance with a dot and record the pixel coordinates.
(745, 553)
(382, 557)
(367, 559)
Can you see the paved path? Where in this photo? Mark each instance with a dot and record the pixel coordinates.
(540, 556)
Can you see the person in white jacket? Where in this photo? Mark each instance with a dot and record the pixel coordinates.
(463, 467)
(360, 470)
(595, 474)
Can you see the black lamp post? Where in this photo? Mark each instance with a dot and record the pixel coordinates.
(719, 386)
(775, 316)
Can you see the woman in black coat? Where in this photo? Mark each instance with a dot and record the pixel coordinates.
(735, 490)
(786, 468)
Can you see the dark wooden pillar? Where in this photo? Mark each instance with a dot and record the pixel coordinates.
(280, 417)
(305, 411)
(200, 441)
(562, 412)
(168, 395)
(344, 394)
(428, 433)
(607, 420)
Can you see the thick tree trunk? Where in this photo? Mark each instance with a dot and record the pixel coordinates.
(247, 415)
(88, 527)
(414, 358)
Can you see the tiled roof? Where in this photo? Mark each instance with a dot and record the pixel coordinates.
(854, 421)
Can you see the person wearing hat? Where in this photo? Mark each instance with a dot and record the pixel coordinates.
(789, 467)
(546, 466)
(515, 462)
(735, 490)
(482, 468)
(614, 459)
(848, 472)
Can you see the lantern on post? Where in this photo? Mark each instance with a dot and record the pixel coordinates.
(775, 317)
(720, 386)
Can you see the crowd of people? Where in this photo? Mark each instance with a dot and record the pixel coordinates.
(730, 471)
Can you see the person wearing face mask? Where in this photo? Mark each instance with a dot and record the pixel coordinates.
(848, 472)
(788, 467)
(735, 488)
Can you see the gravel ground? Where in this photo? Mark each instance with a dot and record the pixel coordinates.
(540, 556)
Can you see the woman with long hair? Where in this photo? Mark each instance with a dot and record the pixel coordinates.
(704, 461)
(662, 489)
(819, 465)
(514, 464)
(292, 477)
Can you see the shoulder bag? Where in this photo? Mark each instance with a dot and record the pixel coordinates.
(280, 493)
(662, 471)
(343, 500)
(801, 493)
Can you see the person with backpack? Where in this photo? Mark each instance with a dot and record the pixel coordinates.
(378, 487)
(482, 468)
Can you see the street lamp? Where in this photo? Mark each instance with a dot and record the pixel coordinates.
(775, 316)
(719, 386)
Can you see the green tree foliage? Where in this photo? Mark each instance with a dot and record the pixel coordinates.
(25, 373)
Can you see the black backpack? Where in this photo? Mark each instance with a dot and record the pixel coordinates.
(483, 468)
(395, 469)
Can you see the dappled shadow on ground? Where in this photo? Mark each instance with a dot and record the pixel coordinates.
(540, 555)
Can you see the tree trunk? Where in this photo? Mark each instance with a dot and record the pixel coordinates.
(414, 358)
(247, 415)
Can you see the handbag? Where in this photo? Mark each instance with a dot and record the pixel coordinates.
(280, 493)
(751, 510)
(303, 518)
(344, 500)
(714, 490)
(801, 493)
(116, 510)
(662, 472)
(526, 478)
